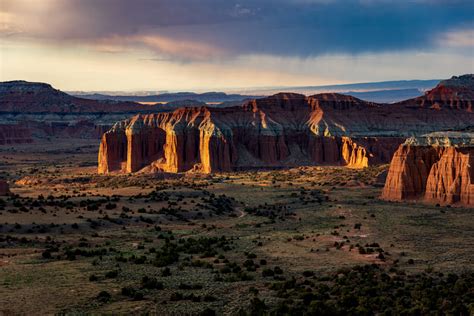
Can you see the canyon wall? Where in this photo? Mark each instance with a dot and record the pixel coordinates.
(283, 120)
(282, 130)
(437, 169)
(289, 129)
(11, 134)
(279, 131)
(454, 93)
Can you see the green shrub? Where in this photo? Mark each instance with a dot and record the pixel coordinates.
(151, 283)
(104, 296)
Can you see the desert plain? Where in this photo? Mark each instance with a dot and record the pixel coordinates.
(298, 240)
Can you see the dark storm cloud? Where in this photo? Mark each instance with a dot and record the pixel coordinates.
(300, 28)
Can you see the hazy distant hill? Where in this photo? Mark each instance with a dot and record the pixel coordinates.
(387, 96)
(422, 85)
(384, 92)
(173, 97)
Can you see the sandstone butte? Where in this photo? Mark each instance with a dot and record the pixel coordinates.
(283, 130)
(4, 188)
(437, 168)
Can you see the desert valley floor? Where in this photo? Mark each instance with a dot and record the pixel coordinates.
(72, 241)
(237, 158)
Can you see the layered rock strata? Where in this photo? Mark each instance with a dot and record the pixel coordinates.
(282, 130)
(437, 168)
(30, 110)
(454, 93)
(35, 97)
(14, 134)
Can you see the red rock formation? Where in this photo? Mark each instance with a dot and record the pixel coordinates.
(455, 93)
(409, 172)
(353, 155)
(437, 174)
(282, 130)
(32, 97)
(451, 178)
(47, 112)
(4, 188)
(112, 152)
(14, 134)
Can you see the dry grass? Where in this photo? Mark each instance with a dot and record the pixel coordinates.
(301, 238)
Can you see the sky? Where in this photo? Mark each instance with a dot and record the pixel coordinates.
(176, 45)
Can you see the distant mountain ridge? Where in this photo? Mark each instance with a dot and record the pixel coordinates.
(386, 96)
(35, 97)
(382, 92)
(173, 97)
(381, 85)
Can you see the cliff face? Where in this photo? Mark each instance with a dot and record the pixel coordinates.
(4, 188)
(451, 178)
(454, 93)
(438, 173)
(14, 134)
(408, 172)
(282, 130)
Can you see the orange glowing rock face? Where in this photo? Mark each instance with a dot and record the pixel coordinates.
(451, 178)
(436, 173)
(283, 130)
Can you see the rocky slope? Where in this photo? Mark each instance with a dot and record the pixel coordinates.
(437, 168)
(31, 110)
(455, 93)
(33, 97)
(282, 130)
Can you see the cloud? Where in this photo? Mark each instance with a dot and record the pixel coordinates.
(460, 38)
(188, 49)
(200, 29)
(181, 50)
